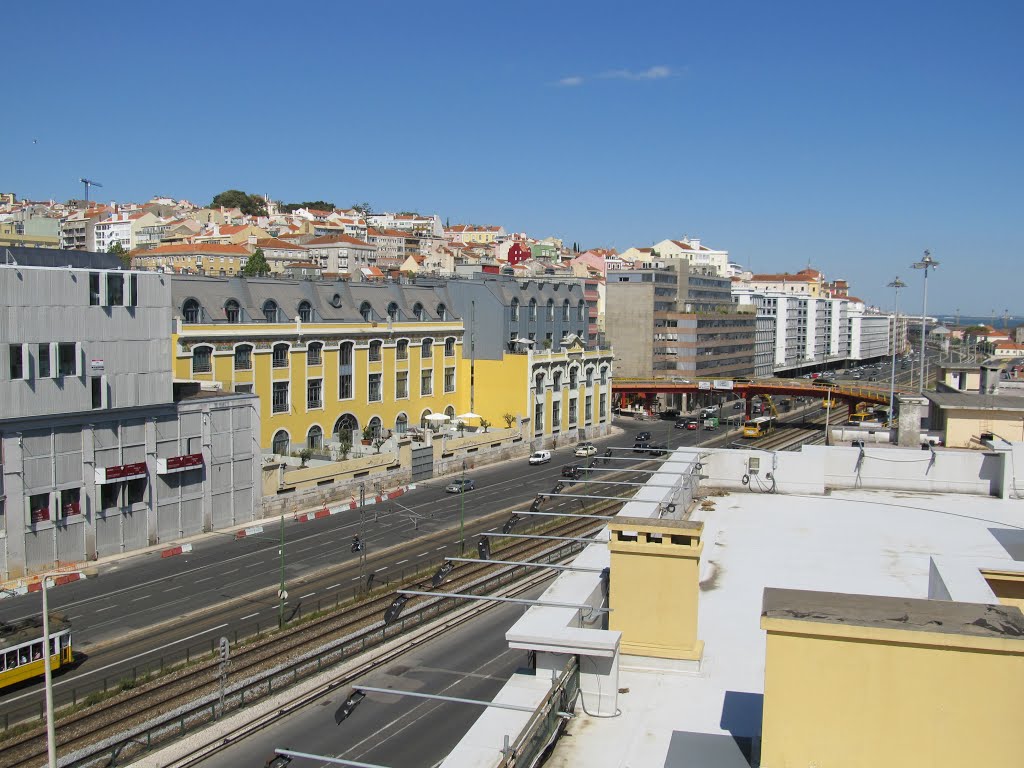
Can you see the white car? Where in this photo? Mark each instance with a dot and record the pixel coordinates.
(585, 449)
(540, 457)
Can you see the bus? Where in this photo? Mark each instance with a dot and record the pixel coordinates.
(861, 417)
(21, 648)
(759, 427)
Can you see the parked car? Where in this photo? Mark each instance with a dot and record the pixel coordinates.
(540, 457)
(572, 471)
(669, 414)
(681, 423)
(738, 405)
(640, 436)
(460, 485)
(585, 449)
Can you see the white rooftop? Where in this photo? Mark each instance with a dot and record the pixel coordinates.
(866, 542)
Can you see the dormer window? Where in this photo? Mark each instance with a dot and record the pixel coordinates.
(366, 311)
(305, 312)
(442, 312)
(270, 311)
(232, 311)
(418, 313)
(190, 311)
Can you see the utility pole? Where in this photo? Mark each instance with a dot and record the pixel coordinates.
(51, 739)
(895, 285)
(282, 595)
(462, 513)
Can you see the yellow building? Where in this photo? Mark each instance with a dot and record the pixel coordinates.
(193, 258)
(11, 236)
(470, 233)
(863, 680)
(327, 360)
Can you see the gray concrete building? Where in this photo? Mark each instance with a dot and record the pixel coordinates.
(656, 329)
(101, 454)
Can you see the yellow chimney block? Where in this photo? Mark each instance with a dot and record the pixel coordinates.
(654, 586)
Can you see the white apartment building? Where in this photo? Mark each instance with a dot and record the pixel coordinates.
(115, 229)
(407, 222)
(797, 331)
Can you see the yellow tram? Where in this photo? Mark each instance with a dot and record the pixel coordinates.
(21, 648)
(759, 427)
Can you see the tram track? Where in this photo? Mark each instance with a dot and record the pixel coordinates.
(92, 736)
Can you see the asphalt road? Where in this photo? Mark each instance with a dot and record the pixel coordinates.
(145, 611)
(473, 662)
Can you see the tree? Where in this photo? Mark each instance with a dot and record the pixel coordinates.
(118, 250)
(250, 205)
(485, 424)
(364, 208)
(509, 418)
(256, 265)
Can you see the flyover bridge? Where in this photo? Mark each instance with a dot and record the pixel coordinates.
(846, 392)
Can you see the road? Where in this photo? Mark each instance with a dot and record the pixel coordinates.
(146, 612)
(473, 662)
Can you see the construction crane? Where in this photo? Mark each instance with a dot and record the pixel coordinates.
(89, 183)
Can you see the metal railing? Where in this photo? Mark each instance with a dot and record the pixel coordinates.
(545, 724)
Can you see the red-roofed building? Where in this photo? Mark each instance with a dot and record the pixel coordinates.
(340, 253)
(193, 258)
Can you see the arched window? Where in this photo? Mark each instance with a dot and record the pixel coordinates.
(450, 411)
(315, 353)
(232, 312)
(366, 311)
(604, 374)
(556, 381)
(401, 424)
(315, 438)
(582, 310)
(551, 309)
(402, 349)
(190, 311)
(202, 359)
(449, 347)
(565, 311)
(375, 427)
(280, 445)
(305, 312)
(392, 312)
(590, 376)
(346, 425)
(574, 374)
(538, 381)
(418, 313)
(243, 357)
(427, 349)
(270, 311)
(425, 423)
(532, 313)
(442, 312)
(280, 356)
(515, 310)
(375, 347)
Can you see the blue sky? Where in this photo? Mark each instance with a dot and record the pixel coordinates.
(848, 135)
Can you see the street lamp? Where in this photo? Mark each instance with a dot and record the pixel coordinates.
(895, 285)
(926, 263)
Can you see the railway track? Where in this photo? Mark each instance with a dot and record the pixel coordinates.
(161, 710)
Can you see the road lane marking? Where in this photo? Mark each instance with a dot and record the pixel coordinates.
(333, 586)
(227, 572)
(381, 569)
(200, 581)
(250, 616)
(171, 589)
(423, 554)
(438, 549)
(144, 597)
(358, 578)
(98, 610)
(305, 596)
(401, 561)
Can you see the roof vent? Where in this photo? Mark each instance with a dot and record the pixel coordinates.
(336, 300)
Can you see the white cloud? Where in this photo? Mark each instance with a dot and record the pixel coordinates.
(570, 82)
(657, 72)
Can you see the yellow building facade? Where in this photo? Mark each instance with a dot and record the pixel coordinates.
(862, 680)
(317, 380)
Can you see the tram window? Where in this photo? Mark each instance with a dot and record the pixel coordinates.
(11, 657)
(23, 656)
(3, 663)
(37, 651)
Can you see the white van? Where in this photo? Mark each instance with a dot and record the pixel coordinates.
(540, 457)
